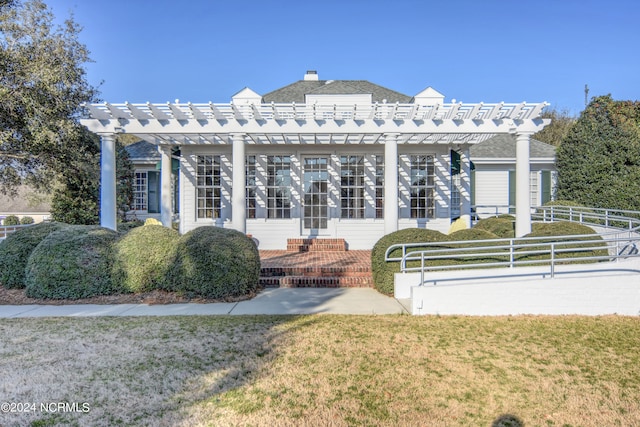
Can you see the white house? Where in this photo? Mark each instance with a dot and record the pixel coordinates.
(317, 158)
(493, 178)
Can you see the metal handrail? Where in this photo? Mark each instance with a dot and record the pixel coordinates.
(5, 230)
(624, 235)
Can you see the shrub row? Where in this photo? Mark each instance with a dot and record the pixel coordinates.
(490, 228)
(60, 261)
(14, 220)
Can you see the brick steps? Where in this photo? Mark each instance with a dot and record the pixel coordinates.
(316, 245)
(316, 263)
(316, 282)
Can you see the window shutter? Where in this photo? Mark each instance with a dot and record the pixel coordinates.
(546, 186)
(472, 179)
(512, 190)
(153, 186)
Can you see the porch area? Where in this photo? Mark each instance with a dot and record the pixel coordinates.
(316, 263)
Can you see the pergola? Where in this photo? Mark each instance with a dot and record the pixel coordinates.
(239, 124)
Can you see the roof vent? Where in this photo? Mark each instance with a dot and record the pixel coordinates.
(311, 75)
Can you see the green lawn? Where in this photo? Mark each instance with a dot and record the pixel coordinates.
(324, 370)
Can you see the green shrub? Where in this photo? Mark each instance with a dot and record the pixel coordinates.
(125, 227)
(544, 230)
(26, 220)
(143, 257)
(71, 263)
(469, 237)
(502, 226)
(11, 220)
(215, 262)
(383, 271)
(472, 234)
(16, 249)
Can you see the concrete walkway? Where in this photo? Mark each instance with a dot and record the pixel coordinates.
(270, 301)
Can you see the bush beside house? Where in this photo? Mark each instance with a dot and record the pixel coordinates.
(215, 262)
(383, 271)
(11, 220)
(502, 226)
(491, 228)
(143, 257)
(71, 263)
(16, 249)
(62, 261)
(26, 220)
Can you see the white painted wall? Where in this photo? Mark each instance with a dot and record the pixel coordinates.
(273, 233)
(596, 289)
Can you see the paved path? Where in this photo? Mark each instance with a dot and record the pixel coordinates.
(269, 301)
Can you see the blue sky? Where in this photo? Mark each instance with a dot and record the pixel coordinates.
(471, 50)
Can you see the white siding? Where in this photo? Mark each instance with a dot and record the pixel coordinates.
(273, 233)
(491, 189)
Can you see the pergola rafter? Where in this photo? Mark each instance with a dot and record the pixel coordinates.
(388, 124)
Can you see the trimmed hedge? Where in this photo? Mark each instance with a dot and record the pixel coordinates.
(383, 271)
(472, 234)
(11, 220)
(125, 227)
(215, 262)
(26, 220)
(143, 258)
(71, 263)
(502, 226)
(564, 228)
(16, 249)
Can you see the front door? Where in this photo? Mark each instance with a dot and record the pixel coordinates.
(315, 212)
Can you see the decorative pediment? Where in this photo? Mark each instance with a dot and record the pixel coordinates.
(246, 96)
(429, 96)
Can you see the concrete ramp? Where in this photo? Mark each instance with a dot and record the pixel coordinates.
(583, 289)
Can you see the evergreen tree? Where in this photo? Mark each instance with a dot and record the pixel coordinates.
(599, 160)
(42, 86)
(554, 133)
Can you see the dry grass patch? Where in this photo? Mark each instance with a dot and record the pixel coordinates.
(325, 370)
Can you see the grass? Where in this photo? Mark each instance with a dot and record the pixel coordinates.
(324, 370)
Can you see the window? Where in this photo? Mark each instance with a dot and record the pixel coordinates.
(379, 185)
(208, 187)
(533, 189)
(352, 186)
(422, 186)
(278, 186)
(140, 191)
(250, 186)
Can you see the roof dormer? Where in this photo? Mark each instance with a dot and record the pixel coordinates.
(246, 96)
(429, 96)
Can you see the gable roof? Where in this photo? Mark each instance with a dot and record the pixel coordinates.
(295, 92)
(142, 150)
(504, 147)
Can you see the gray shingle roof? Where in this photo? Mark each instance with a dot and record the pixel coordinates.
(296, 92)
(504, 147)
(142, 150)
(26, 201)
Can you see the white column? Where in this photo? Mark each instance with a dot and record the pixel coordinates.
(108, 206)
(165, 190)
(523, 200)
(390, 183)
(238, 207)
(465, 186)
